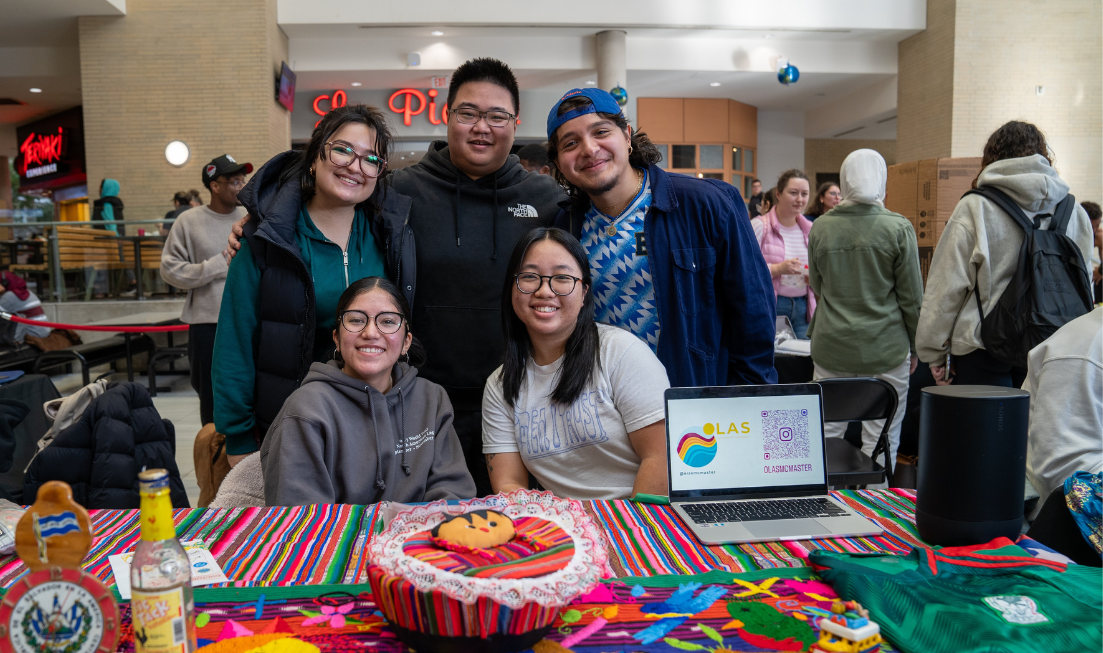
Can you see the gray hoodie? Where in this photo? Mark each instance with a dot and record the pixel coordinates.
(980, 247)
(338, 440)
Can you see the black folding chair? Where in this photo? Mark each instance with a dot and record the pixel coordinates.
(858, 400)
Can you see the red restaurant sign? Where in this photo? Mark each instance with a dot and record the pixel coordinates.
(406, 102)
(51, 152)
(42, 151)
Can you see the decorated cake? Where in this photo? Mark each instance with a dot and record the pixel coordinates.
(488, 574)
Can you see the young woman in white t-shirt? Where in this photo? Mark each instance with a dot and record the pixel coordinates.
(783, 237)
(577, 404)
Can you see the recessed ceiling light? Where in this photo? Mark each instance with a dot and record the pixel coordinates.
(36, 90)
(437, 32)
(357, 84)
(590, 82)
(714, 84)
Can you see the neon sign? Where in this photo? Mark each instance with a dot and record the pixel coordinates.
(408, 111)
(43, 153)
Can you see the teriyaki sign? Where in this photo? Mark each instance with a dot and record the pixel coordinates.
(51, 152)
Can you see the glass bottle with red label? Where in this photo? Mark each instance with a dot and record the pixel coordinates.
(161, 606)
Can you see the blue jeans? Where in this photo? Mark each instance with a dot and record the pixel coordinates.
(796, 309)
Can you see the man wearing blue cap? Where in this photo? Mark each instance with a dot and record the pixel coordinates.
(673, 258)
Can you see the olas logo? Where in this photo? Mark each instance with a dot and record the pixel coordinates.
(695, 449)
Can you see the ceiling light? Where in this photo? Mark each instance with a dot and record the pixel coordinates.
(714, 84)
(357, 84)
(769, 36)
(437, 32)
(36, 90)
(590, 82)
(177, 153)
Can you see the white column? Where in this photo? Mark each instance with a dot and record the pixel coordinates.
(612, 66)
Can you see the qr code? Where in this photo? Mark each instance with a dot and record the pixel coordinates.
(785, 434)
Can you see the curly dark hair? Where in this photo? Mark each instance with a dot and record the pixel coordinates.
(1013, 140)
(644, 153)
(326, 128)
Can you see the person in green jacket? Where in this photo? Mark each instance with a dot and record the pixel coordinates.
(863, 265)
(321, 221)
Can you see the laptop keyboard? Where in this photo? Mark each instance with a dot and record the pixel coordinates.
(714, 513)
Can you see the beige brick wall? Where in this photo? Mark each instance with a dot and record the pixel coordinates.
(1003, 51)
(202, 72)
(827, 154)
(925, 88)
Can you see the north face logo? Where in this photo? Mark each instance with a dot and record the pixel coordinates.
(523, 211)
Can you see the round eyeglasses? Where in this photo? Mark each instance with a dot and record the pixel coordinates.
(471, 116)
(357, 321)
(342, 155)
(560, 284)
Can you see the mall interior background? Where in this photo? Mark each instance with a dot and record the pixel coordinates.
(912, 79)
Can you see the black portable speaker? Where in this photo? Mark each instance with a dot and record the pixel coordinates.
(972, 463)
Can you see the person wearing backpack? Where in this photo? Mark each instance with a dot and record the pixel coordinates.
(981, 255)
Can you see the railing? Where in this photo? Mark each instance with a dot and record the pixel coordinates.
(52, 242)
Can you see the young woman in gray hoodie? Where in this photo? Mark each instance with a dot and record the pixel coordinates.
(363, 427)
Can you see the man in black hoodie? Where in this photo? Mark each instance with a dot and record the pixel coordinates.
(472, 202)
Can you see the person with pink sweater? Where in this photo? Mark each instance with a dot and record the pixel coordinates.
(782, 234)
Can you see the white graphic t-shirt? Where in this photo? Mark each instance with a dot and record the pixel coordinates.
(580, 451)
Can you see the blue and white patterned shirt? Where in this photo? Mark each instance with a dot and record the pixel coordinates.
(624, 293)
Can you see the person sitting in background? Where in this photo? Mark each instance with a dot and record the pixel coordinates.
(827, 197)
(109, 208)
(754, 202)
(782, 234)
(863, 265)
(17, 300)
(364, 428)
(534, 158)
(577, 404)
(978, 253)
(181, 202)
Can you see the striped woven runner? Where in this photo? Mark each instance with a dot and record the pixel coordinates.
(324, 544)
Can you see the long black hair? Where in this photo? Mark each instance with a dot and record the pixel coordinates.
(643, 154)
(314, 151)
(581, 356)
(416, 352)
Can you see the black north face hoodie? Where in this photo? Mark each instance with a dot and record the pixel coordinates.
(465, 231)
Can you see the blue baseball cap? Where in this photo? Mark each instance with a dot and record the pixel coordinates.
(600, 102)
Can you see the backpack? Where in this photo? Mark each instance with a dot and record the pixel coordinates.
(1049, 288)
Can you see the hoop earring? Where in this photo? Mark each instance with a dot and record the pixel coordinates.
(407, 355)
(629, 150)
(311, 171)
(338, 357)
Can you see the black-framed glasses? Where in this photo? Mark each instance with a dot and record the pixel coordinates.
(494, 117)
(357, 321)
(560, 284)
(342, 155)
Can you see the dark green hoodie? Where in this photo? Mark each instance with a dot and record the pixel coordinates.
(465, 231)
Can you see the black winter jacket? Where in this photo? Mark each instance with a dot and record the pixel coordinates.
(285, 348)
(100, 455)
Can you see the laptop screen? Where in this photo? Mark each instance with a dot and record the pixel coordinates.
(745, 439)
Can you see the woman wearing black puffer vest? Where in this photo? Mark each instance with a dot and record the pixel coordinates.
(319, 221)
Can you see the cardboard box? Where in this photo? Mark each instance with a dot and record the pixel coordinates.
(925, 256)
(926, 193)
(900, 191)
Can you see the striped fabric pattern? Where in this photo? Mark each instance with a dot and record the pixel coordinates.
(539, 547)
(325, 544)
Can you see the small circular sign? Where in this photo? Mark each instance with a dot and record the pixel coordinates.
(58, 610)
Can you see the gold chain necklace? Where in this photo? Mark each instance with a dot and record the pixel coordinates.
(613, 214)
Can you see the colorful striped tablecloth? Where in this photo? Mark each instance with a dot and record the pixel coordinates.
(325, 544)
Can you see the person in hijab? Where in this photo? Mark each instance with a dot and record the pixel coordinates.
(863, 265)
(109, 208)
(17, 300)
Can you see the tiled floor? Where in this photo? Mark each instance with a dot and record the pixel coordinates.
(180, 406)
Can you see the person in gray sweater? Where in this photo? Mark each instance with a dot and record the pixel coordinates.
(193, 260)
(364, 428)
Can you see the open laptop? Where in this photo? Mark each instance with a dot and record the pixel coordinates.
(746, 464)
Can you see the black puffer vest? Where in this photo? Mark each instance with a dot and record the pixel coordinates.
(285, 347)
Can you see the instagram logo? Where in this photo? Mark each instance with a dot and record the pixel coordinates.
(785, 434)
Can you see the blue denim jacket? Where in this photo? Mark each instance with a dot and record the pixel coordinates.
(712, 286)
